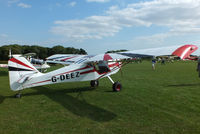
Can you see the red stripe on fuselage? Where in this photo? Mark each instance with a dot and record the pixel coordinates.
(86, 72)
(39, 82)
(21, 63)
(74, 70)
(114, 64)
(94, 70)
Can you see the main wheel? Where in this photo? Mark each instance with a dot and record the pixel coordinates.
(94, 83)
(117, 87)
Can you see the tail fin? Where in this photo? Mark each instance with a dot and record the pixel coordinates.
(20, 70)
(185, 51)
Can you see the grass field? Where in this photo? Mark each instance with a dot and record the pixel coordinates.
(164, 101)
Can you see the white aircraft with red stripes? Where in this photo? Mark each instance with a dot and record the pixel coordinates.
(37, 63)
(22, 74)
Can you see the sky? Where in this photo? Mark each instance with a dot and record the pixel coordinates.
(100, 25)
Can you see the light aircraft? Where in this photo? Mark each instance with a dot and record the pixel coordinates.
(183, 52)
(37, 63)
(41, 67)
(192, 57)
(22, 74)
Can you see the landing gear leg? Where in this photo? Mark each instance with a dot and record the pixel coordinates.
(116, 85)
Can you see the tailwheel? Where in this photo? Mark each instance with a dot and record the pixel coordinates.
(94, 83)
(117, 87)
(18, 95)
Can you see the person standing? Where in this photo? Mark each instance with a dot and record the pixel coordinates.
(163, 61)
(153, 63)
(198, 66)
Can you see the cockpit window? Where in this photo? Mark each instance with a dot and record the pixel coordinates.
(101, 66)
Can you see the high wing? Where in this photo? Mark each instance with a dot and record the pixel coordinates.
(79, 59)
(180, 51)
(67, 58)
(108, 57)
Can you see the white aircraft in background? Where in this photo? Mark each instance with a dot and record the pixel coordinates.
(37, 63)
(22, 74)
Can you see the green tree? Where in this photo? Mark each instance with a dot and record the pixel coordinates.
(42, 52)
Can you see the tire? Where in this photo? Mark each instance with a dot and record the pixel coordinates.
(18, 95)
(117, 87)
(94, 83)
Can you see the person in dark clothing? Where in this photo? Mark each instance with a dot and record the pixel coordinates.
(163, 61)
(198, 66)
(153, 63)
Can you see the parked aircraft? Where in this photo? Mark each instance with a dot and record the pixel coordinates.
(37, 63)
(22, 74)
(183, 52)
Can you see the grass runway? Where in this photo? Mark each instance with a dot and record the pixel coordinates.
(164, 101)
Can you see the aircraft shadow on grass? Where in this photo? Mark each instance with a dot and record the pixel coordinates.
(184, 85)
(2, 99)
(75, 104)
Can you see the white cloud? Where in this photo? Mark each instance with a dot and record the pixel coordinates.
(58, 4)
(72, 4)
(3, 35)
(153, 39)
(23, 5)
(91, 27)
(170, 13)
(179, 16)
(10, 2)
(100, 1)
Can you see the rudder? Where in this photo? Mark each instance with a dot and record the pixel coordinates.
(20, 69)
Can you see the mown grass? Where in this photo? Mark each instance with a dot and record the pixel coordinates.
(164, 101)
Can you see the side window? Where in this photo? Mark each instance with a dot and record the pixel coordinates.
(103, 67)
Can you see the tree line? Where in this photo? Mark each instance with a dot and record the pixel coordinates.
(41, 52)
(116, 51)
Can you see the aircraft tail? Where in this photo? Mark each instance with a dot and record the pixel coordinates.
(20, 70)
(185, 51)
